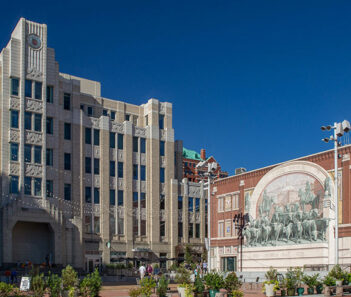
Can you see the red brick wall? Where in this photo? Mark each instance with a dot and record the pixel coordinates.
(251, 178)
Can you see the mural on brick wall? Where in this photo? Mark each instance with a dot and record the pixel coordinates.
(289, 211)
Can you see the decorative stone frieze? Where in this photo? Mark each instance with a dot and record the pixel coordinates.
(120, 155)
(163, 135)
(14, 135)
(33, 170)
(143, 213)
(117, 128)
(141, 132)
(15, 103)
(162, 108)
(14, 169)
(33, 138)
(97, 181)
(120, 212)
(194, 191)
(162, 215)
(120, 183)
(34, 105)
(143, 159)
(180, 216)
(163, 189)
(197, 218)
(95, 123)
(143, 186)
(191, 218)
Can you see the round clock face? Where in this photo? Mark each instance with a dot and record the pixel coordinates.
(34, 41)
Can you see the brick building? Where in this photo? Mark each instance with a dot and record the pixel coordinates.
(292, 215)
(191, 159)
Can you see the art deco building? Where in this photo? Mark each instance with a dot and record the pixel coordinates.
(86, 180)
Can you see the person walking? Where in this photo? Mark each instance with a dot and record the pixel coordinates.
(149, 269)
(204, 266)
(142, 271)
(13, 276)
(8, 275)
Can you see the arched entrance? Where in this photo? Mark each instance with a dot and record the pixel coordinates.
(32, 242)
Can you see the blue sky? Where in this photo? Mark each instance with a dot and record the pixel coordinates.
(250, 81)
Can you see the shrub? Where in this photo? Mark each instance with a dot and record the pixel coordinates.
(5, 289)
(329, 281)
(232, 282)
(237, 293)
(173, 267)
(147, 284)
(271, 274)
(214, 280)
(162, 286)
(338, 273)
(134, 292)
(183, 275)
(38, 285)
(69, 277)
(91, 285)
(310, 280)
(290, 279)
(199, 286)
(54, 285)
(189, 289)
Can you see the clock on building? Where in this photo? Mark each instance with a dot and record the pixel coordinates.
(34, 41)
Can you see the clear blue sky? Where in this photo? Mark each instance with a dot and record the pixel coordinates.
(250, 81)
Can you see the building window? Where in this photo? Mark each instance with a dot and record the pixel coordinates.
(67, 101)
(162, 175)
(50, 94)
(235, 201)
(142, 172)
(180, 202)
(197, 230)
(161, 121)
(37, 122)
(87, 165)
(143, 145)
(37, 187)
(90, 111)
(67, 161)
(87, 194)
(206, 205)
(143, 200)
(88, 135)
(96, 224)
(67, 191)
(28, 120)
(87, 224)
(180, 229)
(13, 184)
(112, 197)
(162, 148)
(49, 157)
(112, 140)
(135, 144)
(14, 152)
(127, 117)
(220, 229)
(27, 185)
(14, 118)
(220, 204)
(96, 137)
(96, 166)
(113, 115)
(135, 199)
(49, 188)
(162, 201)
(120, 198)
(197, 204)
(28, 88)
(27, 153)
(191, 230)
(67, 131)
(38, 86)
(135, 171)
(37, 154)
(190, 204)
(96, 195)
(49, 125)
(104, 112)
(112, 168)
(82, 107)
(162, 228)
(120, 169)
(120, 141)
(14, 86)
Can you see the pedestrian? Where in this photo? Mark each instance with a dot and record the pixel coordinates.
(13, 276)
(204, 266)
(142, 271)
(149, 269)
(7, 275)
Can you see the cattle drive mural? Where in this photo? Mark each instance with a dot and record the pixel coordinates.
(289, 211)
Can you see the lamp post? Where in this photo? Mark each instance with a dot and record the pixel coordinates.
(240, 221)
(339, 129)
(211, 168)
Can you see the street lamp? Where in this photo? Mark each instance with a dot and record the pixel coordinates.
(211, 168)
(339, 129)
(240, 221)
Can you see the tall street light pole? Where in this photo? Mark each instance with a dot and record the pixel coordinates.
(339, 129)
